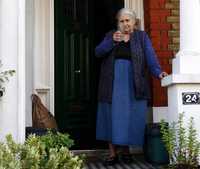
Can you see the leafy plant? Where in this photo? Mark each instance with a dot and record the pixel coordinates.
(181, 143)
(56, 140)
(4, 77)
(36, 154)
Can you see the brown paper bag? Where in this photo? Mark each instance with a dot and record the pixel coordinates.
(41, 117)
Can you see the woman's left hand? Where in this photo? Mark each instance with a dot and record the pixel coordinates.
(162, 75)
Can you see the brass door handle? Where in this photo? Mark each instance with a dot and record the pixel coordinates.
(77, 71)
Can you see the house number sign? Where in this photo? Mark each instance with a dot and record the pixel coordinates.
(191, 98)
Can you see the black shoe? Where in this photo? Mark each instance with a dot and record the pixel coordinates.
(127, 158)
(111, 160)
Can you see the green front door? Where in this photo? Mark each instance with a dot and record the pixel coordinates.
(75, 83)
(79, 26)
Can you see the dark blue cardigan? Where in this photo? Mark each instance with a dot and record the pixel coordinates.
(143, 58)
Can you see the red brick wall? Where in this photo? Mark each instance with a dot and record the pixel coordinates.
(159, 24)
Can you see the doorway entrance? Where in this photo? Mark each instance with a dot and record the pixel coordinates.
(79, 26)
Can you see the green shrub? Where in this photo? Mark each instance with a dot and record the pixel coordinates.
(181, 143)
(56, 140)
(38, 153)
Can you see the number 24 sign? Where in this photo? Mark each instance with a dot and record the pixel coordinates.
(191, 98)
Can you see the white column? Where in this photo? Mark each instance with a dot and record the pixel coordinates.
(185, 77)
(12, 53)
(187, 61)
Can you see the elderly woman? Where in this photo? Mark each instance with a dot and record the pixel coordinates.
(123, 88)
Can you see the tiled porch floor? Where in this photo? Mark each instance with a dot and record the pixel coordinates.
(136, 164)
(95, 161)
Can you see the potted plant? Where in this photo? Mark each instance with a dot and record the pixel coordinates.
(181, 143)
(4, 77)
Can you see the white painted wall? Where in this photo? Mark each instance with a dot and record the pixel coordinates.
(39, 54)
(12, 53)
(44, 51)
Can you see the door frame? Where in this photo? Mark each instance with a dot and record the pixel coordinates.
(39, 31)
(46, 88)
(52, 57)
(138, 7)
(43, 51)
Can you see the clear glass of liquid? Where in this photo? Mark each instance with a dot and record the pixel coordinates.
(122, 35)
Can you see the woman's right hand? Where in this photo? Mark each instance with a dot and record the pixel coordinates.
(117, 36)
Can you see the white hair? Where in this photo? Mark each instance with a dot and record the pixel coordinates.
(126, 11)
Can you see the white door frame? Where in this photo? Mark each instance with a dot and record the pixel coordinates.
(138, 7)
(44, 52)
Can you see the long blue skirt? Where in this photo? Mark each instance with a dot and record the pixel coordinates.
(123, 121)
